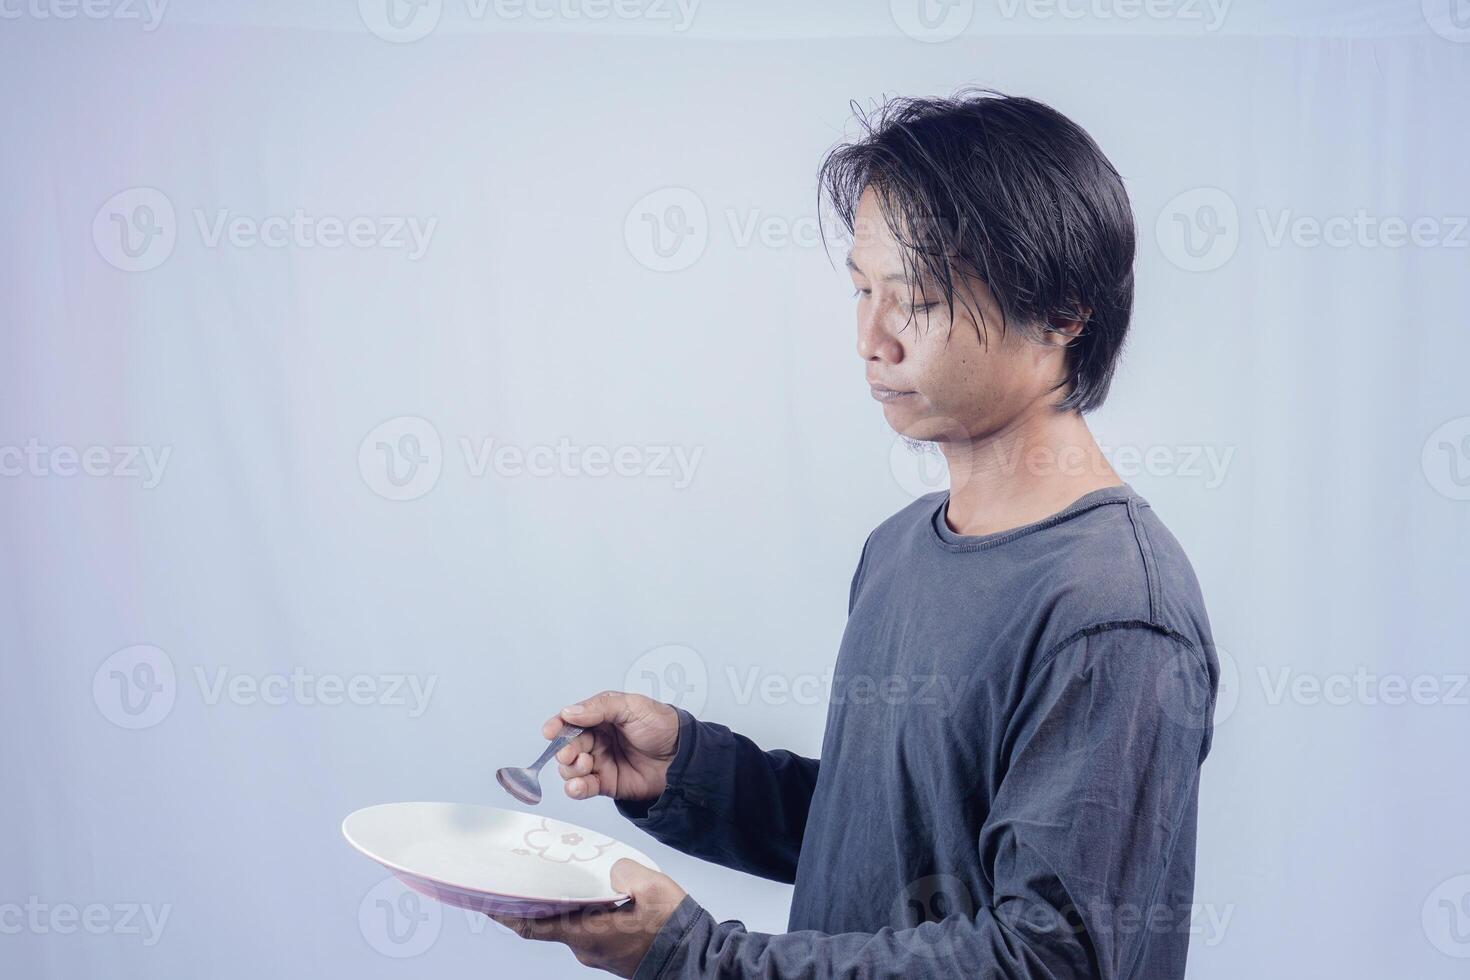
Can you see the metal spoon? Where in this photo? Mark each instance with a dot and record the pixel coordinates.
(525, 784)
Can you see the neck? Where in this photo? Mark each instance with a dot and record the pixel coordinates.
(1032, 468)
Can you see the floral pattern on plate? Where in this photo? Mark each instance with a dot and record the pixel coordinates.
(563, 847)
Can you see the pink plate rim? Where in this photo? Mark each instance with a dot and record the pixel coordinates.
(576, 902)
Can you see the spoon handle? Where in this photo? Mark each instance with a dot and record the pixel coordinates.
(568, 733)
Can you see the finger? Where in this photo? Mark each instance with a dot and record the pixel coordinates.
(541, 930)
(580, 766)
(553, 726)
(569, 752)
(636, 880)
(654, 894)
(584, 787)
(607, 708)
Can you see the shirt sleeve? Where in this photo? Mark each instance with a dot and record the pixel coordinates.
(728, 802)
(1100, 783)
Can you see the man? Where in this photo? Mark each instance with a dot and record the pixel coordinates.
(1009, 776)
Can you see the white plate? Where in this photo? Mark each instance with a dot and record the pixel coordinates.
(491, 860)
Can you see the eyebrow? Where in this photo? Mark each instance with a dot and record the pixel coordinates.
(897, 277)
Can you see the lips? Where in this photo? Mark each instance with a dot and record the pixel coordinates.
(883, 393)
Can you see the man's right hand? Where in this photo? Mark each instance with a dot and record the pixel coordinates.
(625, 751)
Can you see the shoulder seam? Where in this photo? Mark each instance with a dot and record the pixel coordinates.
(1110, 626)
(857, 576)
(1146, 552)
(1135, 624)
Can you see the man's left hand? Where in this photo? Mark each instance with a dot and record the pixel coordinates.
(614, 940)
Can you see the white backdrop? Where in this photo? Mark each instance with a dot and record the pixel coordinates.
(562, 271)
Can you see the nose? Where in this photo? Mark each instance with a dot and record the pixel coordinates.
(875, 341)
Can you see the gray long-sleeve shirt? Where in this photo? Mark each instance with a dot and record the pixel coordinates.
(1009, 775)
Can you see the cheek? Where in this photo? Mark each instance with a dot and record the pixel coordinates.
(952, 375)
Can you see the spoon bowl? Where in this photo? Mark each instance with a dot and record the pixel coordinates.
(525, 783)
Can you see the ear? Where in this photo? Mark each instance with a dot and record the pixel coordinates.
(1062, 330)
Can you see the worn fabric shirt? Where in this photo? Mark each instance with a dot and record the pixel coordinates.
(1009, 775)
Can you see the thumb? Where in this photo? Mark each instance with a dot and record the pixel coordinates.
(639, 881)
(609, 707)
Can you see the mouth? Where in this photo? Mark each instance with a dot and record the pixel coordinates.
(882, 394)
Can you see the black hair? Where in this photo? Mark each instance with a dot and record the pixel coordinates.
(1008, 190)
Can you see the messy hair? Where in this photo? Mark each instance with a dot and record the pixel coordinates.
(1009, 191)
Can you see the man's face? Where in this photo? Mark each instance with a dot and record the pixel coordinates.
(936, 379)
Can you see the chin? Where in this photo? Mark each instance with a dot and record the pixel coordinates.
(922, 426)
